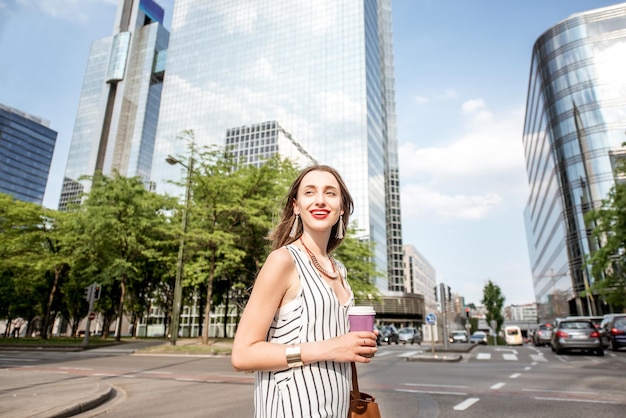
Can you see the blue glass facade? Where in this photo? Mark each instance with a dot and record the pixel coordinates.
(575, 121)
(26, 148)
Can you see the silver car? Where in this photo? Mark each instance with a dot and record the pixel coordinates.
(410, 335)
(576, 334)
(542, 335)
(458, 336)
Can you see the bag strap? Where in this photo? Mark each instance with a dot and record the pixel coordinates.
(355, 383)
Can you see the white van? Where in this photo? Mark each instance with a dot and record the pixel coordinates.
(513, 335)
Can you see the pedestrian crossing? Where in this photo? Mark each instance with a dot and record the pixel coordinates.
(525, 355)
(504, 356)
(507, 356)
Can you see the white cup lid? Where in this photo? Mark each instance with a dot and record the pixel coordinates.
(361, 310)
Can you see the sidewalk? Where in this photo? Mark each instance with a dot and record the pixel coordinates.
(37, 394)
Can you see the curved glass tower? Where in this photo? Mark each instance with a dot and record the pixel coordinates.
(574, 126)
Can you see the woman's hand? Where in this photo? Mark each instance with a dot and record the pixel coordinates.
(357, 346)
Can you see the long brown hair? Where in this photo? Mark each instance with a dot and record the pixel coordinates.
(280, 235)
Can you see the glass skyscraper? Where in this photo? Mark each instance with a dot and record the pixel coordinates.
(26, 148)
(575, 123)
(322, 70)
(119, 105)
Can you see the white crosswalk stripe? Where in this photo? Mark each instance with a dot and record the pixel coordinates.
(483, 356)
(538, 357)
(510, 357)
(409, 353)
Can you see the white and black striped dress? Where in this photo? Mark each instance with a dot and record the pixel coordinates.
(318, 389)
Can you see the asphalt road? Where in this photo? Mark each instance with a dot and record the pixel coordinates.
(488, 382)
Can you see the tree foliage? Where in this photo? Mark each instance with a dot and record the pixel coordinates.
(113, 234)
(608, 261)
(357, 255)
(127, 238)
(493, 300)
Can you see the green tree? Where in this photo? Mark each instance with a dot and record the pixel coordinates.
(113, 233)
(608, 262)
(30, 272)
(493, 300)
(357, 255)
(231, 212)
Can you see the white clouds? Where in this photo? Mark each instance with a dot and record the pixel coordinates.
(470, 176)
(418, 199)
(473, 105)
(442, 96)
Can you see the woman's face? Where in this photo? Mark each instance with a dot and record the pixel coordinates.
(318, 201)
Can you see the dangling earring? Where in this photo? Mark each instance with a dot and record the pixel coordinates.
(294, 228)
(340, 228)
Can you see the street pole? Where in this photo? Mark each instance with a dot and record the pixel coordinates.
(444, 308)
(178, 288)
(90, 298)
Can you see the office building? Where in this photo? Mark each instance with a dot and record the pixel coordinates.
(322, 70)
(574, 127)
(256, 143)
(521, 313)
(26, 148)
(119, 105)
(420, 277)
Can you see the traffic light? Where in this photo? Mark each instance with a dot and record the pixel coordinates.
(88, 292)
(449, 294)
(467, 312)
(436, 298)
(96, 291)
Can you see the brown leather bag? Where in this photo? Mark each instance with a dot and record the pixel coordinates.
(362, 405)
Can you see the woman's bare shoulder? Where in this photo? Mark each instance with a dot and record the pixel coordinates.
(281, 256)
(279, 260)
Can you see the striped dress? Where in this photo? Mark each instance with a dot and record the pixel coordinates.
(319, 389)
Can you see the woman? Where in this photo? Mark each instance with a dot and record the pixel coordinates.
(294, 330)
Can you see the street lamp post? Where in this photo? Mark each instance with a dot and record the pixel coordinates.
(178, 288)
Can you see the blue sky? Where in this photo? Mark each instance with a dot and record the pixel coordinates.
(462, 71)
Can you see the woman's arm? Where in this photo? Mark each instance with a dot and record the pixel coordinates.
(276, 285)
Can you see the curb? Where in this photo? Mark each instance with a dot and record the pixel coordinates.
(85, 406)
(66, 348)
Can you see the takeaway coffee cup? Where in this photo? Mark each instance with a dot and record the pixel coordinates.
(361, 318)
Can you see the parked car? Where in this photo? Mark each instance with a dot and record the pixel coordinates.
(613, 331)
(389, 334)
(576, 334)
(597, 320)
(410, 335)
(542, 335)
(478, 337)
(458, 336)
(513, 335)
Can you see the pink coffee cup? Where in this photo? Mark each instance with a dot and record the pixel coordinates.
(361, 318)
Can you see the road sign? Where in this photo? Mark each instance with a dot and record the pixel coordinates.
(431, 319)
(92, 315)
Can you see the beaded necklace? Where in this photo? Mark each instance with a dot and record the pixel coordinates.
(330, 274)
